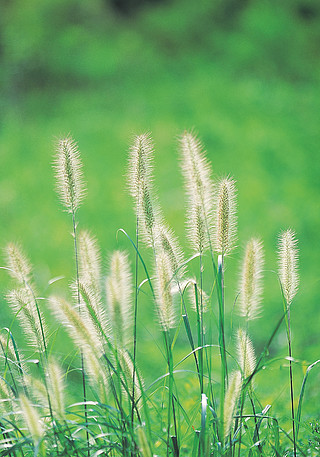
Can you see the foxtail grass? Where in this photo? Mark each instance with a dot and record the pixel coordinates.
(203, 399)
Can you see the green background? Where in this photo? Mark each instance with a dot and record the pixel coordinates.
(244, 75)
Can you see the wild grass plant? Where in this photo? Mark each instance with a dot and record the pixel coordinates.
(118, 413)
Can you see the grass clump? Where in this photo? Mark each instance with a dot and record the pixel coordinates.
(117, 413)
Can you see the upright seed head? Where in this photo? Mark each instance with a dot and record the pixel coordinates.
(251, 280)
(199, 187)
(225, 216)
(143, 444)
(246, 356)
(164, 295)
(119, 297)
(18, 264)
(89, 261)
(140, 164)
(68, 171)
(230, 401)
(288, 264)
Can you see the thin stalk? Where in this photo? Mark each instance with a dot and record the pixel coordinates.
(135, 324)
(291, 382)
(79, 306)
(224, 372)
(171, 383)
(201, 322)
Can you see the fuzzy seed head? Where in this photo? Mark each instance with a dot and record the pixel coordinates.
(140, 164)
(18, 264)
(92, 309)
(89, 261)
(68, 172)
(225, 216)
(251, 280)
(56, 388)
(79, 327)
(164, 295)
(199, 187)
(23, 305)
(246, 356)
(230, 400)
(144, 447)
(288, 264)
(32, 419)
(119, 297)
(166, 241)
(6, 398)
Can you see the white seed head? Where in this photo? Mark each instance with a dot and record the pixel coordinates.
(166, 241)
(140, 164)
(225, 216)
(164, 295)
(6, 398)
(80, 327)
(32, 419)
(251, 280)
(119, 297)
(23, 305)
(68, 172)
(56, 388)
(246, 356)
(89, 260)
(199, 187)
(17, 263)
(288, 264)
(230, 400)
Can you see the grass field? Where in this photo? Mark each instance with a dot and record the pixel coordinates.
(254, 100)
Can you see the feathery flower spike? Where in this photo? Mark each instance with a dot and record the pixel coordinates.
(17, 262)
(199, 187)
(230, 401)
(250, 280)
(288, 264)
(225, 216)
(246, 356)
(68, 168)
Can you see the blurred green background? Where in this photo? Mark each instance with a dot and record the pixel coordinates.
(245, 74)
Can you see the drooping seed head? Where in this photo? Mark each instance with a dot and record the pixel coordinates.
(230, 400)
(288, 264)
(32, 419)
(251, 280)
(225, 216)
(166, 241)
(119, 297)
(6, 398)
(199, 187)
(23, 305)
(80, 327)
(17, 263)
(68, 172)
(246, 356)
(56, 388)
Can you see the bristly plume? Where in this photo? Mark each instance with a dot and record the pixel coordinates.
(199, 187)
(288, 264)
(225, 216)
(56, 388)
(23, 305)
(140, 164)
(89, 261)
(32, 419)
(230, 401)
(164, 295)
(68, 171)
(140, 184)
(80, 327)
(246, 356)
(119, 297)
(166, 241)
(17, 263)
(251, 280)
(6, 398)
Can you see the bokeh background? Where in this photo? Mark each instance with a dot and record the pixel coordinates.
(244, 74)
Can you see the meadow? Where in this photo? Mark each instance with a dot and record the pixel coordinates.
(250, 90)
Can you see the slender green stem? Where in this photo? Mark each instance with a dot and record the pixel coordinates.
(79, 308)
(224, 372)
(291, 382)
